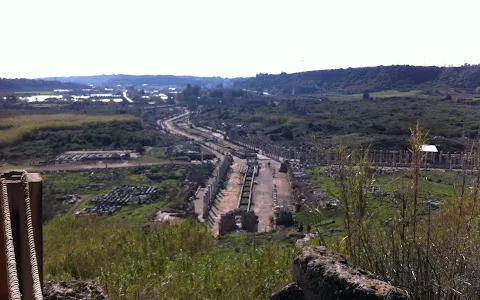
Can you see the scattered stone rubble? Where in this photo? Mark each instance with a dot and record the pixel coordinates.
(321, 274)
(170, 216)
(111, 155)
(433, 204)
(305, 192)
(69, 199)
(73, 290)
(120, 196)
(305, 241)
(290, 292)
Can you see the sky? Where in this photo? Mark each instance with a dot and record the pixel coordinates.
(240, 38)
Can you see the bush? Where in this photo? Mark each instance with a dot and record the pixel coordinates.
(433, 254)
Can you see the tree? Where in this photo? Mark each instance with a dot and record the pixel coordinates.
(196, 90)
(478, 90)
(366, 95)
(140, 150)
(188, 90)
(287, 133)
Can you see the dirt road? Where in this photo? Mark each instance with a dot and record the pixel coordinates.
(100, 165)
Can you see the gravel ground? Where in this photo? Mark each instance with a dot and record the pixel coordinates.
(263, 193)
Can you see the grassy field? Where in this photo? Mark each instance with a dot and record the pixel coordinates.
(394, 93)
(435, 185)
(14, 128)
(382, 94)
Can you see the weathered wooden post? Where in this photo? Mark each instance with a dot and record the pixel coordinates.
(23, 218)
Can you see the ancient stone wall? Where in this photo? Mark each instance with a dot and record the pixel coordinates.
(321, 274)
(250, 221)
(212, 189)
(228, 221)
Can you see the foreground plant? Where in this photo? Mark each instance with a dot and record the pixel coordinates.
(164, 262)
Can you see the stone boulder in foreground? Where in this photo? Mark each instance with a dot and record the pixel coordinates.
(73, 290)
(322, 275)
(326, 276)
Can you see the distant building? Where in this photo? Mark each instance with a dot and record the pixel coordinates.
(429, 148)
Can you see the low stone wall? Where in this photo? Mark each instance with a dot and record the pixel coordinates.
(321, 274)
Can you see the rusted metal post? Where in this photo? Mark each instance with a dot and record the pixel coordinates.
(15, 190)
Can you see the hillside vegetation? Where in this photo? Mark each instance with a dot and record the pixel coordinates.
(163, 262)
(138, 80)
(355, 80)
(12, 129)
(39, 137)
(22, 84)
(380, 124)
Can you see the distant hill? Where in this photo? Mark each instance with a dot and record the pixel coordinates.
(356, 80)
(22, 84)
(138, 80)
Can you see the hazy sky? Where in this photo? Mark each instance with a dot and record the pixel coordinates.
(231, 38)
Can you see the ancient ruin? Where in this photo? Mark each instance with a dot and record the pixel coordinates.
(321, 274)
(120, 196)
(238, 219)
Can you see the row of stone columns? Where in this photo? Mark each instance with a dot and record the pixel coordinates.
(444, 160)
(212, 188)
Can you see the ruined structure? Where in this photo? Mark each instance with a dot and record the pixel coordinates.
(311, 155)
(231, 220)
(120, 196)
(212, 189)
(320, 274)
(191, 150)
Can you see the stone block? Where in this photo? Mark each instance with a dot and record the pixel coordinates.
(325, 275)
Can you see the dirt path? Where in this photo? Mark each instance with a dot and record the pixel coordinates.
(262, 197)
(227, 199)
(100, 165)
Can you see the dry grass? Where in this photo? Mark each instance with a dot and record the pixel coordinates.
(12, 129)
